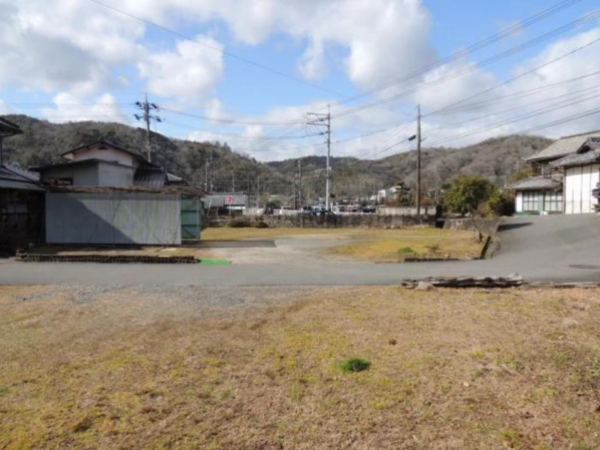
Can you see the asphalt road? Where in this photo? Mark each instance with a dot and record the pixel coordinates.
(553, 248)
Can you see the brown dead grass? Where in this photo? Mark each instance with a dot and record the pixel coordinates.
(450, 370)
(234, 234)
(397, 245)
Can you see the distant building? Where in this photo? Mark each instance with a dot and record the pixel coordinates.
(106, 194)
(394, 194)
(565, 174)
(225, 203)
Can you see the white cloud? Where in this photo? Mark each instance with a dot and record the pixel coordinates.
(189, 73)
(383, 38)
(62, 45)
(70, 108)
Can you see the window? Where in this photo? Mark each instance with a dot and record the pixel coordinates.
(553, 202)
(532, 201)
(543, 201)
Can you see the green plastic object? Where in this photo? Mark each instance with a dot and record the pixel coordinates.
(215, 262)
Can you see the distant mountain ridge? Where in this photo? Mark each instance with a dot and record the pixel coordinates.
(497, 158)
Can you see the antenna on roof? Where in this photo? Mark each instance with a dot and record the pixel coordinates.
(148, 117)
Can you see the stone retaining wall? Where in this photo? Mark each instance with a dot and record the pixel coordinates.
(487, 227)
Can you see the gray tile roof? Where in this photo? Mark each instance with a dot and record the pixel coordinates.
(578, 159)
(537, 184)
(563, 147)
(14, 178)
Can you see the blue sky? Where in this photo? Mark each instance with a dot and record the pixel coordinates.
(69, 60)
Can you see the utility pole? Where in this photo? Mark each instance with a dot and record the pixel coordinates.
(324, 120)
(207, 171)
(419, 140)
(299, 183)
(148, 117)
(258, 192)
(233, 182)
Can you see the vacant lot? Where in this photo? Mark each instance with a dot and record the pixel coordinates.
(260, 368)
(398, 245)
(284, 245)
(375, 245)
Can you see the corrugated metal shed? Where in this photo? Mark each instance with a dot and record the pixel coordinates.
(114, 217)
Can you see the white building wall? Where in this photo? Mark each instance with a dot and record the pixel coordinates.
(579, 183)
(108, 154)
(519, 202)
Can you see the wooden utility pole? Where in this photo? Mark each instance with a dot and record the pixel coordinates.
(419, 140)
(147, 117)
(299, 183)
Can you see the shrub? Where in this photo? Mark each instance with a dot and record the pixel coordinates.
(468, 193)
(406, 251)
(240, 222)
(262, 224)
(355, 365)
(502, 203)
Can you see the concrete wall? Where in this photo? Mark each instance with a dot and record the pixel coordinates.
(115, 218)
(350, 221)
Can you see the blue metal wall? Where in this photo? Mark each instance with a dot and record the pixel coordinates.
(113, 218)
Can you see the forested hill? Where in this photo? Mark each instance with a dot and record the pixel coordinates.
(42, 143)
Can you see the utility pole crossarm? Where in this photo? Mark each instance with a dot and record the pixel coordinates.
(147, 116)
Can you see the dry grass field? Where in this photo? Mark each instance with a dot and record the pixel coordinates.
(374, 245)
(258, 368)
(391, 246)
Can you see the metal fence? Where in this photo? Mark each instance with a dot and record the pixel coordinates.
(113, 218)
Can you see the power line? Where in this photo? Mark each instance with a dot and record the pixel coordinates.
(228, 121)
(530, 115)
(510, 80)
(554, 33)
(519, 94)
(218, 49)
(474, 47)
(520, 107)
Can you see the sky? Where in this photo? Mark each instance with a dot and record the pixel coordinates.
(248, 72)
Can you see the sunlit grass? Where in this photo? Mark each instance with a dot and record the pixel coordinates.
(473, 368)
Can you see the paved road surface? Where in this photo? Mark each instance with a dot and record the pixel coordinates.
(555, 248)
